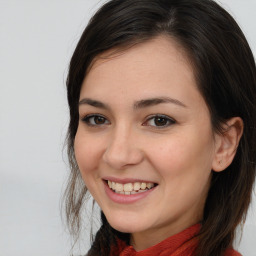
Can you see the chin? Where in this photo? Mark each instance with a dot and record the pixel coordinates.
(124, 228)
(125, 224)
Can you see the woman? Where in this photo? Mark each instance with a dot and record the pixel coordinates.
(162, 127)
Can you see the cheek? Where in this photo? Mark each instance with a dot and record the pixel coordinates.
(183, 155)
(87, 154)
(185, 170)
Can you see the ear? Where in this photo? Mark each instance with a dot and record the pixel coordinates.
(226, 144)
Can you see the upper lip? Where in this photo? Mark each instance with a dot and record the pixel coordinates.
(126, 180)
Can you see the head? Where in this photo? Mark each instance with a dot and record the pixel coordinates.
(224, 80)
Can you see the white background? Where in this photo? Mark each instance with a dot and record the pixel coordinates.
(37, 39)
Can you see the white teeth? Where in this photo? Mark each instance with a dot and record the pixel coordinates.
(130, 188)
(143, 185)
(119, 187)
(136, 186)
(150, 185)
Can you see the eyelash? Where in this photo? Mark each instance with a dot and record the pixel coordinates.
(168, 121)
(87, 118)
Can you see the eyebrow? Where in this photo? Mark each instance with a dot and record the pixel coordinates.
(137, 105)
(155, 101)
(94, 103)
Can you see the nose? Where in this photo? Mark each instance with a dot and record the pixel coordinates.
(123, 150)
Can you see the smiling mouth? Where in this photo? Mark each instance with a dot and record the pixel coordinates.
(130, 188)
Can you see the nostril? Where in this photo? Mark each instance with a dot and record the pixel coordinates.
(120, 157)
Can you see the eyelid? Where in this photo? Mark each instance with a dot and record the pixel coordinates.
(170, 120)
(86, 118)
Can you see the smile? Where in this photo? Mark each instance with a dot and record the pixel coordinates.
(130, 188)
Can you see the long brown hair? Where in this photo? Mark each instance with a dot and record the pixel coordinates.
(226, 77)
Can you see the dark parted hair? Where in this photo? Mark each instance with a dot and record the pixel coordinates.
(226, 78)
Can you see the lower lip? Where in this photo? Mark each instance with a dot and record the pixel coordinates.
(126, 199)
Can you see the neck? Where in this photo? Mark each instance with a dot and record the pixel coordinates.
(143, 240)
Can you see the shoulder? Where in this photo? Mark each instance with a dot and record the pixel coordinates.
(232, 252)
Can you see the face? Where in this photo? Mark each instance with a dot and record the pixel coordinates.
(144, 143)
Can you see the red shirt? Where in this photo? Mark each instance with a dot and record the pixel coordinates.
(181, 244)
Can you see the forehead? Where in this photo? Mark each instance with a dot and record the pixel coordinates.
(158, 66)
(154, 46)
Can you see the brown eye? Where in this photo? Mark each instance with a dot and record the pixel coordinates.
(95, 120)
(99, 120)
(159, 121)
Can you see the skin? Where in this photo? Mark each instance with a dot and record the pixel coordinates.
(127, 143)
